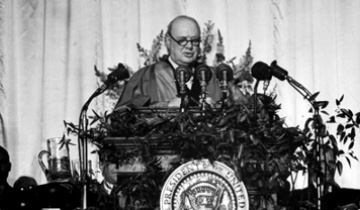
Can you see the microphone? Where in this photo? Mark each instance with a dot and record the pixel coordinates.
(120, 73)
(183, 75)
(225, 74)
(261, 71)
(203, 74)
(278, 72)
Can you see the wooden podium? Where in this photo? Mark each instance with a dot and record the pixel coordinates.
(155, 126)
(154, 119)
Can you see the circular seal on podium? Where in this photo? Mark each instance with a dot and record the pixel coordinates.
(201, 185)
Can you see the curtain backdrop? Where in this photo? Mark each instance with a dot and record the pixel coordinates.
(49, 50)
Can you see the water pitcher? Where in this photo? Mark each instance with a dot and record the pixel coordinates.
(58, 161)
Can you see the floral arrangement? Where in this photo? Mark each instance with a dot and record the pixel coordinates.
(258, 146)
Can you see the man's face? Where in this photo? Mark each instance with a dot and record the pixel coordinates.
(182, 30)
(110, 173)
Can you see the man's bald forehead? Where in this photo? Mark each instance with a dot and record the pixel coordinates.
(179, 19)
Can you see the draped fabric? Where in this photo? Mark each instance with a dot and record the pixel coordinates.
(49, 50)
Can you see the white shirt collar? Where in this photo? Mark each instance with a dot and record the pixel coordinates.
(175, 65)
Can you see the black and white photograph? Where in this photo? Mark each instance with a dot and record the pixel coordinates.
(179, 104)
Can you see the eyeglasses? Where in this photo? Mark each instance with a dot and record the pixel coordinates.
(183, 41)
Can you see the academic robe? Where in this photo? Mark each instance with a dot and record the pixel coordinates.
(156, 83)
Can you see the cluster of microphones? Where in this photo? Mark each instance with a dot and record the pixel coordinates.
(224, 73)
(203, 74)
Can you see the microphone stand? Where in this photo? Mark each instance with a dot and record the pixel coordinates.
(203, 85)
(184, 97)
(225, 74)
(318, 138)
(255, 97)
(224, 89)
(83, 147)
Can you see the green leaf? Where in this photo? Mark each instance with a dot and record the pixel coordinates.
(347, 112)
(331, 120)
(96, 114)
(243, 118)
(65, 142)
(351, 145)
(341, 98)
(357, 120)
(353, 156)
(340, 129)
(339, 167)
(348, 160)
(324, 112)
(347, 126)
(313, 97)
(341, 115)
(351, 114)
(254, 139)
(337, 102)
(352, 134)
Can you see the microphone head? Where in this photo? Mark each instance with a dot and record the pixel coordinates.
(261, 71)
(224, 70)
(186, 71)
(120, 73)
(278, 72)
(203, 72)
